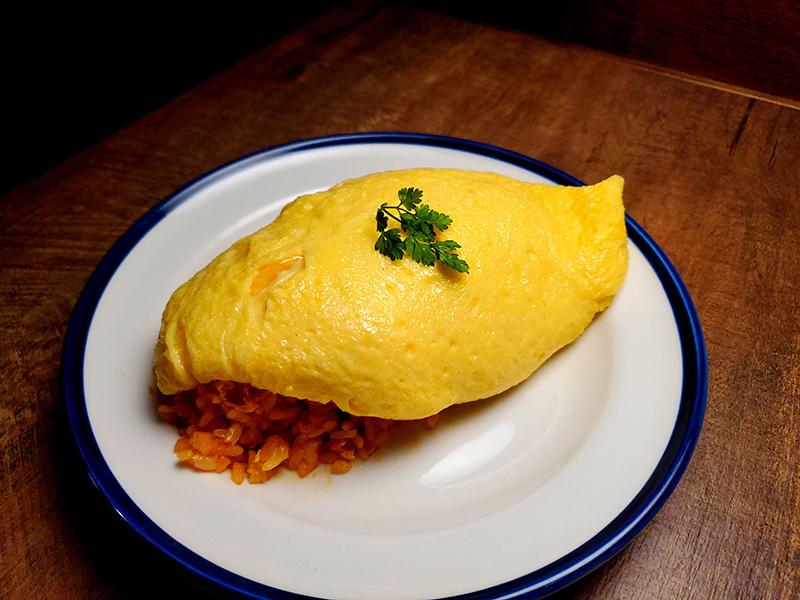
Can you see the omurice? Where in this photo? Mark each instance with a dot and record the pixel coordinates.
(302, 344)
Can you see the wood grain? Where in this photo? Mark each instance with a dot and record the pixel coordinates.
(711, 175)
(744, 43)
(741, 43)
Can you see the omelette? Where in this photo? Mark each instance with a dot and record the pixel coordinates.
(307, 308)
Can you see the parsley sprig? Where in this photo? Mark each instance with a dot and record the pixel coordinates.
(419, 222)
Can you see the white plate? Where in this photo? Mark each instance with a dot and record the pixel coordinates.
(523, 493)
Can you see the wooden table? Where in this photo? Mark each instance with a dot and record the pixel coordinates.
(712, 174)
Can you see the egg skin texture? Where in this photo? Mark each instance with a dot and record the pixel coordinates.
(307, 308)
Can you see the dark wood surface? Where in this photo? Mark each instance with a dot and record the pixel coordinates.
(75, 75)
(712, 175)
(740, 42)
(743, 43)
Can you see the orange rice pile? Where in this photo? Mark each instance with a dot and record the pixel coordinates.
(254, 433)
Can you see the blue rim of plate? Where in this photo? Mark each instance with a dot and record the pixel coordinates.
(538, 583)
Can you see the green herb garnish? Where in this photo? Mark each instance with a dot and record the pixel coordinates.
(419, 222)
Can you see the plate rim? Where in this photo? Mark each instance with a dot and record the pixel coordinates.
(545, 580)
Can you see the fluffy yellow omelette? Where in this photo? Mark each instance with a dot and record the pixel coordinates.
(307, 308)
